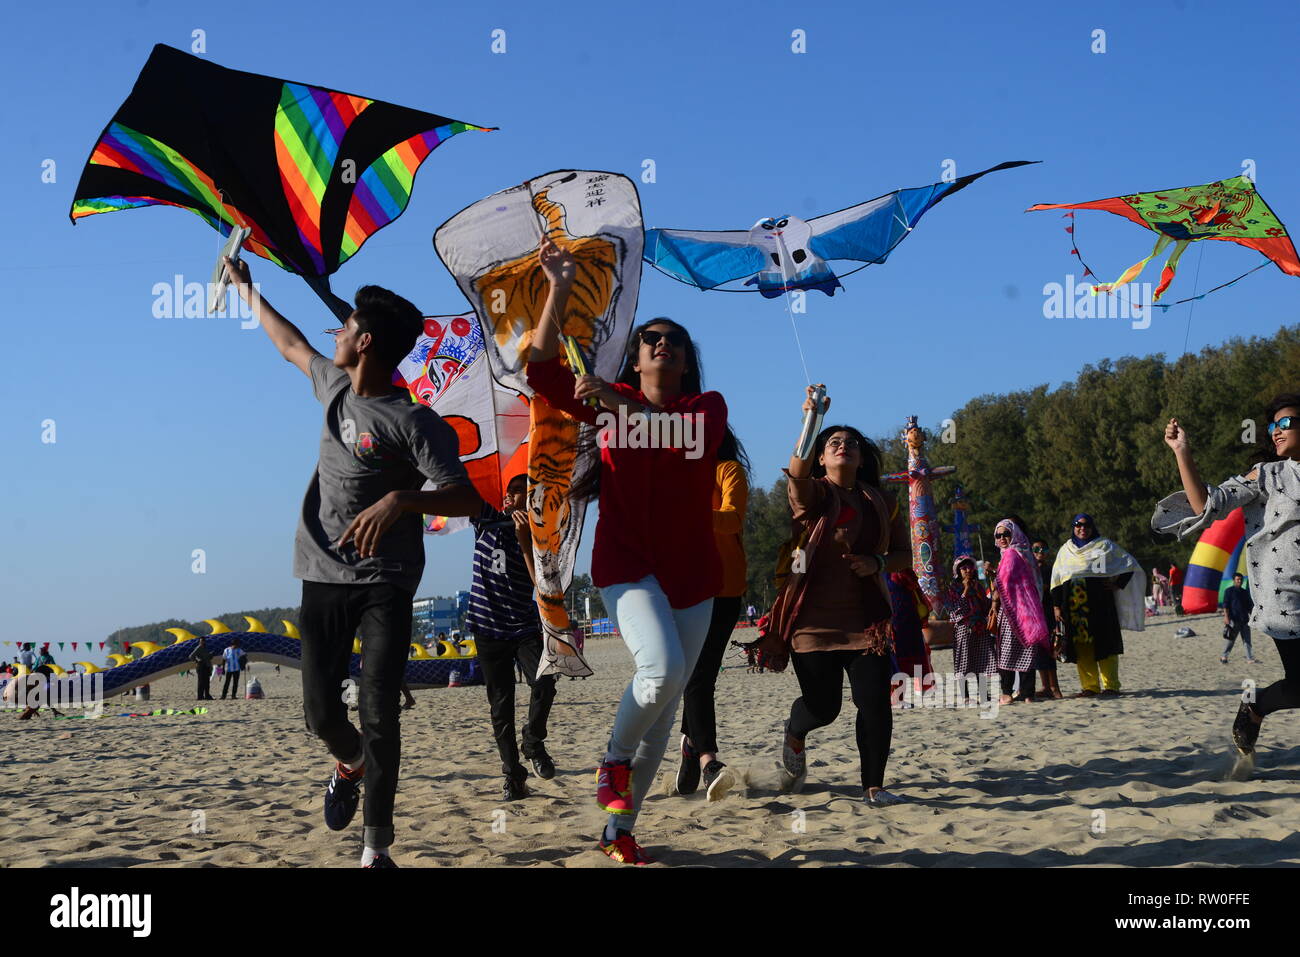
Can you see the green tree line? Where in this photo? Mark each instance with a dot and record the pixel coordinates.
(1093, 445)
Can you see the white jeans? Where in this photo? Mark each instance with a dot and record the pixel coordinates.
(665, 643)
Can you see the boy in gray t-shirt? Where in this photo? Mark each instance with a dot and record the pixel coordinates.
(359, 548)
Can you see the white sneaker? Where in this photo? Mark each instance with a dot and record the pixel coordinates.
(883, 798)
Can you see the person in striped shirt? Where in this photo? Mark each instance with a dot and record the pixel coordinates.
(502, 617)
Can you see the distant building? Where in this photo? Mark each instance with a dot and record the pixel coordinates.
(436, 614)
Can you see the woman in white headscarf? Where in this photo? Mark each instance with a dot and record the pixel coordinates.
(1097, 590)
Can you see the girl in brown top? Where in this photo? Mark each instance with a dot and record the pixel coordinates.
(833, 613)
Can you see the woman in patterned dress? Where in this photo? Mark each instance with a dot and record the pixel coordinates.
(1018, 608)
(973, 650)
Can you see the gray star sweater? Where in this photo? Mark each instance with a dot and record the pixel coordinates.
(1271, 506)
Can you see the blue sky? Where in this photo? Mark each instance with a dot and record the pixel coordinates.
(177, 434)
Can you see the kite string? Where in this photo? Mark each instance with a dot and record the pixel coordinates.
(789, 310)
(1196, 284)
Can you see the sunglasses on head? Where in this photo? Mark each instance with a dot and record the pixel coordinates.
(1285, 423)
(675, 338)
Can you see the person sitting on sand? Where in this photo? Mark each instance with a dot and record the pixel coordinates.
(359, 548)
(1097, 589)
(1269, 497)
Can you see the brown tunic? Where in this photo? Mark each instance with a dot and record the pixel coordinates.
(835, 610)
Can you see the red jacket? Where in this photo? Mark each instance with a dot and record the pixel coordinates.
(656, 505)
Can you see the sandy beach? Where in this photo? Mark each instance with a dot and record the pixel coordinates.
(1136, 781)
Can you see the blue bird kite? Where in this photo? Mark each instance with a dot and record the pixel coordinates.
(783, 253)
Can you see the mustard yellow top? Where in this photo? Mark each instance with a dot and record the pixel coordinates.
(730, 499)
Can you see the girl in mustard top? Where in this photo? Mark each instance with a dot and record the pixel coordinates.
(699, 724)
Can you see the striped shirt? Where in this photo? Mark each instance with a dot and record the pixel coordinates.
(501, 601)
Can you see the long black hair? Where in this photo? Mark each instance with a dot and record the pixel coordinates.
(868, 468)
(692, 378)
(1266, 451)
(588, 487)
(732, 451)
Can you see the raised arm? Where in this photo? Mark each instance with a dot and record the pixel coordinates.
(802, 468)
(1176, 439)
(287, 338)
(559, 267)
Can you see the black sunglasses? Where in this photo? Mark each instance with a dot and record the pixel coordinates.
(675, 338)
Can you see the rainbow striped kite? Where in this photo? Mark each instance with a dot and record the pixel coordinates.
(311, 171)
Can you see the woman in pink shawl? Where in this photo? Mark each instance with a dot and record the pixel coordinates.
(1018, 607)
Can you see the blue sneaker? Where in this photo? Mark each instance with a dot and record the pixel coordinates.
(342, 797)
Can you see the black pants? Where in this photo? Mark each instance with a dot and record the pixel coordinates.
(330, 619)
(232, 677)
(1027, 682)
(699, 721)
(498, 659)
(821, 681)
(205, 680)
(1285, 694)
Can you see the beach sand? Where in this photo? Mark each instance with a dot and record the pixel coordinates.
(1137, 780)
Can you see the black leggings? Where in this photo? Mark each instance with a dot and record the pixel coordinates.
(821, 682)
(1027, 682)
(1285, 694)
(231, 677)
(331, 616)
(699, 721)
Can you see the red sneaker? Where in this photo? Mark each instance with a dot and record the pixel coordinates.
(614, 787)
(625, 849)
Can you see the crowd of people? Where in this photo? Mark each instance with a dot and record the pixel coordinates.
(669, 562)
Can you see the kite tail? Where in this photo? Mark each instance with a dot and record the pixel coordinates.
(1134, 270)
(1167, 274)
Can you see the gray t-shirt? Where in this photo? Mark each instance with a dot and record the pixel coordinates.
(370, 446)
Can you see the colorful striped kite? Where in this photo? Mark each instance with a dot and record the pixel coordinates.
(311, 171)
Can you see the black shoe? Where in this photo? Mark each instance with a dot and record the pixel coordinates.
(1245, 730)
(542, 764)
(514, 788)
(341, 799)
(688, 775)
(381, 861)
(717, 780)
